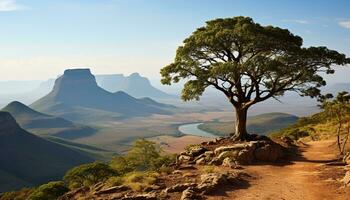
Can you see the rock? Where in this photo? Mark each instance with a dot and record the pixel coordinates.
(245, 156)
(201, 161)
(228, 154)
(211, 181)
(268, 152)
(346, 179)
(177, 172)
(114, 189)
(184, 158)
(346, 158)
(189, 194)
(153, 188)
(196, 151)
(228, 162)
(229, 148)
(148, 196)
(70, 195)
(179, 187)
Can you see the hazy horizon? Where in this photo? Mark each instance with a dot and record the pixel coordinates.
(42, 38)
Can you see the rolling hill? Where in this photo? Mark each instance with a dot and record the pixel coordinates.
(259, 124)
(43, 124)
(77, 97)
(27, 160)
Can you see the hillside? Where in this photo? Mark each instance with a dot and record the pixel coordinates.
(77, 97)
(28, 160)
(43, 124)
(259, 124)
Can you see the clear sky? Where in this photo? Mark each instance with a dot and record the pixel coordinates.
(41, 38)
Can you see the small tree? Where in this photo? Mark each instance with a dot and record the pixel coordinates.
(248, 63)
(339, 109)
(88, 174)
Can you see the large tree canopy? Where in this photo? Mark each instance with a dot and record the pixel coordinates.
(249, 63)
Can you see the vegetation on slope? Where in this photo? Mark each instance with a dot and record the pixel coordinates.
(333, 121)
(137, 169)
(260, 124)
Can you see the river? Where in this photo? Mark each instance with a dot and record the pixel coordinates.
(192, 129)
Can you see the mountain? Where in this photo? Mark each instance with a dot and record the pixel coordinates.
(44, 124)
(77, 97)
(135, 85)
(27, 160)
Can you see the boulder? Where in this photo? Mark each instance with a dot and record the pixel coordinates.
(245, 156)
(228, 162)
(211, 181)
(196, 151)
(184, 158)
(268, 151)
(201, 161)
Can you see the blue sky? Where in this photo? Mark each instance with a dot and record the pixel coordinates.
(39, 39)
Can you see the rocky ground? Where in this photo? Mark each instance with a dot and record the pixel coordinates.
(223, 169)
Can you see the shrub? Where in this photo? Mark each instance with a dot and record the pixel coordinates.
(140, 180)
(17, 195)
(49, 191)
(88, 174)
(143, 156)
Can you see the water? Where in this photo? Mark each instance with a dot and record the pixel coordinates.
(192, 129)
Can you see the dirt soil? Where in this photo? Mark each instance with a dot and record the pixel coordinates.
(304, 177)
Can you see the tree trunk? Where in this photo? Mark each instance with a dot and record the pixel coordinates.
(241, 124)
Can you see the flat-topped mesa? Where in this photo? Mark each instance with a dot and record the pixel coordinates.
(76, 78)
(7, 122)
(74, 83)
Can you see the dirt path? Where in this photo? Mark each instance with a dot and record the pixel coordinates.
(296, 180)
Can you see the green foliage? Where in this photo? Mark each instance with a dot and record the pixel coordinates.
(49, 191)
(144, 155)
(248, 63)
(88, 174)
(17, 195)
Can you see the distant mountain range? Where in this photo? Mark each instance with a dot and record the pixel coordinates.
(43, 124)
(77, 97)
(135, 85)
(27, 160)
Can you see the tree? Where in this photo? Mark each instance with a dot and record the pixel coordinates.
(88, 174)
(144, 155)
(249, 63)
(339, 109)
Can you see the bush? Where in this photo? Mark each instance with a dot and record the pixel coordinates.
(49, 191)
(140, 180)
(17, 195)
(88, 174)
(143, 156)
